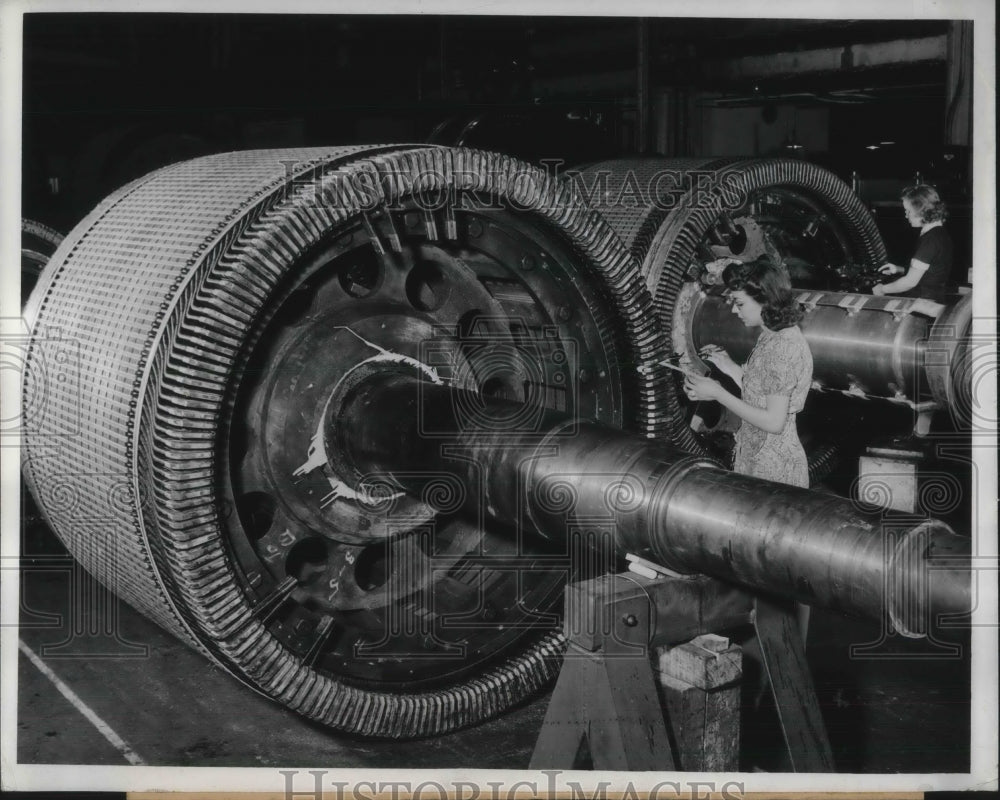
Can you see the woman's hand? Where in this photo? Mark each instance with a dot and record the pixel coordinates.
(699, 388)
(716, 355)
(891, 269)
(878, 289)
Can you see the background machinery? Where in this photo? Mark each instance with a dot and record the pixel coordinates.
(685, 219)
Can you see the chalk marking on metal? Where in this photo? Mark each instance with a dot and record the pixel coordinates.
(316, 457)
(391, 356)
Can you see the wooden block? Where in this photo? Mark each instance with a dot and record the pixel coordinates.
(707, 662)
(705, 725)
(701, 695)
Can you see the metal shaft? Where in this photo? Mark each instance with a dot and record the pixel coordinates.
(552, 473)
(863, 345)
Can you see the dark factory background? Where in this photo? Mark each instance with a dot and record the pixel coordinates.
(108, 97)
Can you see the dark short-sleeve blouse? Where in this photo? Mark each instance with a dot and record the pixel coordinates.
(934, 248)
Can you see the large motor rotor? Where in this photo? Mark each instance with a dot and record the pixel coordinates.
(188, 337)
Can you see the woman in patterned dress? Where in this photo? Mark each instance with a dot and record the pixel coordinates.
(775, 379)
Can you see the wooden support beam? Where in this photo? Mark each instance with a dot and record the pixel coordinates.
(784, 657)
(610, 701)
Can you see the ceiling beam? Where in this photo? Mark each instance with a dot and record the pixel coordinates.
(899, 51)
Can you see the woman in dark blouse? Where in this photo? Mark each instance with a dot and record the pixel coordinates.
(930, 266)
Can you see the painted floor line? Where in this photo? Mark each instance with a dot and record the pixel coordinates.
(105, 730)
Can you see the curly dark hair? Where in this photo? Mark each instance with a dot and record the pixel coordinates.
(926, 202)
(768, 284)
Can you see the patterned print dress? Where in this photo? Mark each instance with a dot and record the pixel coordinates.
(779, 364)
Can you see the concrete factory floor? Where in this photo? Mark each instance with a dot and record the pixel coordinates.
(169, 706)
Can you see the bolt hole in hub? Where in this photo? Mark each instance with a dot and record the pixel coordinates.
(307, 560)
(400, 574)
(362, 274)
(257, 510)
(427, 287)
(371, 570)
